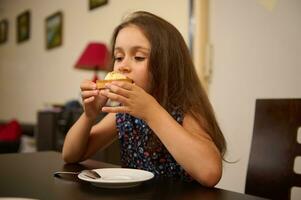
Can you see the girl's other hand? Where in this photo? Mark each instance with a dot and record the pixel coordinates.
(93, 101)
(134, 100)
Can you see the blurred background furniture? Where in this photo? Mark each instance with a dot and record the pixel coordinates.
(274, 148)
(53, 126)
(52, 129)
(11, 133)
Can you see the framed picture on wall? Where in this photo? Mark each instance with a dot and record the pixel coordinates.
(3, 31)
(54, 30)
(96, 3)
(23, 26)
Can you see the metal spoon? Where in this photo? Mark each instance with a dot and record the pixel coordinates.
(89, 173)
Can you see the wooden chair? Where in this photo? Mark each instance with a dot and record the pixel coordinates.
(274, 148)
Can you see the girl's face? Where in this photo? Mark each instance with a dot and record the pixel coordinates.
(131, 55)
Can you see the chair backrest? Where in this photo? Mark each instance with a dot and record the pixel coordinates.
(274, 148)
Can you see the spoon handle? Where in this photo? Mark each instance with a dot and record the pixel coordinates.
(58, 174)
(88, 173)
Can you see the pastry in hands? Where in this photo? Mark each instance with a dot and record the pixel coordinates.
(112, 76)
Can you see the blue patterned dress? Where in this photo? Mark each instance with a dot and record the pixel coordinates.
(142, 149)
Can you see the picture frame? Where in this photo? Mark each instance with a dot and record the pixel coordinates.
(96, 3)
(23, 26)
(3, 31)
(54, 30)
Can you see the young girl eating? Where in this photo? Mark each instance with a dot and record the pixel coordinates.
(164, 123)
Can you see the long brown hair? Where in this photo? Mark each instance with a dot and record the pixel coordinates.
(175, 83)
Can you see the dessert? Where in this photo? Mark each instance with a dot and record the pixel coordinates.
(112, 76)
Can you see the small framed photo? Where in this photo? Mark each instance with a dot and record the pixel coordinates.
(96, 3)
(3, 31)
(23, 26)
(54, 30)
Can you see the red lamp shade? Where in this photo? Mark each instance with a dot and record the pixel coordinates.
(95, 57)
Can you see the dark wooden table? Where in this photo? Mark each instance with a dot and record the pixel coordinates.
(30, 175)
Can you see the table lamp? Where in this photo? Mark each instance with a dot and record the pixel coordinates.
(95, 57)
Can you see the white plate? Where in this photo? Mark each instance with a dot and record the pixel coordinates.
(118, 177)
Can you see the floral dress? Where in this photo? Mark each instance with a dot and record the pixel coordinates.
(142, 149)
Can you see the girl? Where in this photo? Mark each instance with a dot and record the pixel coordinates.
(165, 123)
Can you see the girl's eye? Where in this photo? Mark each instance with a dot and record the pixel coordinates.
(118, 59)
(139, 58)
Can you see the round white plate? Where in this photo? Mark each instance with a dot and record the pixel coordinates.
(118, 177)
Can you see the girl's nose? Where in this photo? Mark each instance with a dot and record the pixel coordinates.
(124, 69)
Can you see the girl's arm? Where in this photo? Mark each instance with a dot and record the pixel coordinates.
(83, 139)
(189, 144)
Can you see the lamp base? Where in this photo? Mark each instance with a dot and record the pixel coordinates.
(95, 78)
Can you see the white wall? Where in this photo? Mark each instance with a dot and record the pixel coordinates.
(31, 76)
(257, 54)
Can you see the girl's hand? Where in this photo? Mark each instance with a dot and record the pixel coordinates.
(134, 100)
(93, 101)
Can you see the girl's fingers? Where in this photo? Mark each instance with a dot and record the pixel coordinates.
(118, 90)
(89, 100)
(114, 97)
(88, 85)
(118, 109)
(89, 93)
(123, 84)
